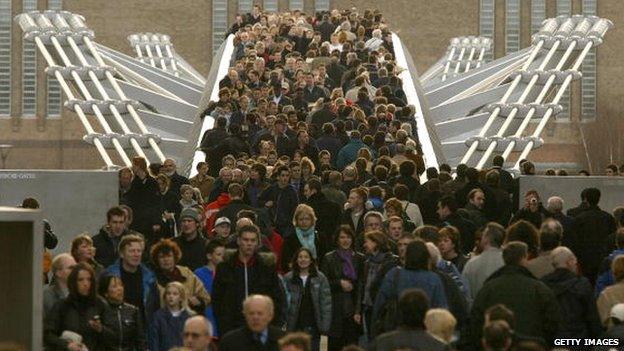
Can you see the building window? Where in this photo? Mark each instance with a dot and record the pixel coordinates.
(564, 7)
(5, 58)
(270, 5)
(54, 99)
(512, 26)
(486, 24)
(29, 70)
(588, 80)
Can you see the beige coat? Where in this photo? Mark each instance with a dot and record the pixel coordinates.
(193, 285)
(608, 298)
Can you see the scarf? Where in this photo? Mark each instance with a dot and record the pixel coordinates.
(348, 270)
(306, 238)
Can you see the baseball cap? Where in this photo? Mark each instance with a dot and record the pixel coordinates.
(617, 312)
(223, 220)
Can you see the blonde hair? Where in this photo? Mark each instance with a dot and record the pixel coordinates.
(183, 295)
(440, 323)
(303, 209)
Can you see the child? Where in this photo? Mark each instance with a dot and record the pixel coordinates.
(187, 197)
(214, 252)
(168, 322)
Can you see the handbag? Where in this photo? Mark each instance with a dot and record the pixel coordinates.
(387, 320)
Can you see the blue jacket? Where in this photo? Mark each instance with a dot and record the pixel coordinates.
(206, 276)
(427, 281)
(605, 275)
(461, 282)
(151, 300)
(166, 330)
(348, 153)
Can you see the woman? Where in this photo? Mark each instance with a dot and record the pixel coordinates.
(256, 184)
(187, 195)
(83, 251)
(307, 169)
(170, 205)
(309, 297)
(165, 255)
(75, 322)
(125, 320)
(378, 262)
(304, 221)
(394, 207)
(343, 268)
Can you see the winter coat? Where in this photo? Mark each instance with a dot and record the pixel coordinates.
(533, 303)
(579, 316)
(466, 230)
(407, 339)
(348, 153)
(145, 204)
(243, 339)
(74, 315)
(166, 330)
(231, 210)
(327, 221)
(194, 287)
(290, 246)
(234, 281)
(193, 251)
(389, 261)
(330, 143)
(605, 277)
(321, 300)
(126, 322)
(106, 247)
(176, 183)
(285, 201)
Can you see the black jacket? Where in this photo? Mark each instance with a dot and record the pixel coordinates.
(290, 246)
(357, 229)
(592, 227)
(389, 261)
(466, 230)
(229, 289)
(243, 339)
(231, 210)
(193, 252)
(407, 339)
(285, 201)
(127, 325)
(106, 247)
(176, 182)
(328, 216)
(145, 203)
(579, 316)
(343, 303)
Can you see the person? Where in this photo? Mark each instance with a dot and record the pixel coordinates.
(343, 268)
(202, 180)
(554, 208)
(214, 254)
(197, 334)
(473, 210)
(506, 179)
(532, 212)
(169, 168)
(354, 213)
(613, 294)
(379, 261)
(411, 209)
(348, 153)
(165, 255)
(243, 274)
(191, 242)
(296, 341)
(497, 336)
(83, 251)
(328, 214)
(605, 277)
(480, 267)
(550, 237)
(138, 280)
(170, 205)
(309, 307)
(415, 274)
(525, 232)
(412, 307)
(394, 208)
(575, 297)
(304, 221)
(80, 313)
(448, 244)
(257, 334)
(592, 227)
(143, 200)
(616, 325)
(57, 290)
(168, 322)
(236, 204)
(447, 211)
(440, 323)
(124, 319)
(281, 200)
(501, 195)
(534, 305)
(107, 240)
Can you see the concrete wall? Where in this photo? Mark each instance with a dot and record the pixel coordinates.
(569, 189)
(73, 201)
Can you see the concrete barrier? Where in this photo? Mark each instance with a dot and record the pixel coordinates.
(569, 189)
(73, 201)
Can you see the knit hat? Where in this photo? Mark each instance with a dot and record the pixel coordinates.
(189, 213)
(222, 220)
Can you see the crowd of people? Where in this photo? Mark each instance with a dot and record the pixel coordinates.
(308, 219)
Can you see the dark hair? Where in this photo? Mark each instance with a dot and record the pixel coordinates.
(72, 282)
(295, 267)
(417, 256)
(498, 161)
(500, 312)
(453, 234)
(432, 173)
(472, 174)
(460, 170)
(401, 191)
(428, 233)
(315, 184)
(593, 196)
(496, 335)
(514, 252)
(413, 306)
(212, 246)
(165, 247)
(299, 340)
(445, 167)
(345, 228)
(450, 202)
(251, 214)
(30, 202)
(407, 168)
(525, 232)
(105, 282)
(550, 237)
(281, 169)
(619, 238)
(249, 229)
(379, 238)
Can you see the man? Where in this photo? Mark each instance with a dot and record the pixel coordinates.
(575, 297)
(243, 274)
(497, 336)
(307, 146)
(210, 141)
(125, 180)
(348, 153)
(170, 169)
(107, 240)
(413, 305)
(323, 116)
(311, 92)
(327, 213)
(332, 189)
(573, 212)
(355, 212)
(395, 229)
(448, 244)
(191, 242)
(501, 196)
(221, 184)
(257, 333)
(550, 237)
(480, 267)
(202, 180)
(197, 333)
(349, 179)
(554, 210)
(533, 303)
(506, 179)
(62, 265)
(138, 280)
(281, 200)
(473, 211)
(592, 227)
(236, 204)
(461, 195)
(329, 141)
(297, 341)
(611, 171)
(447, 212)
